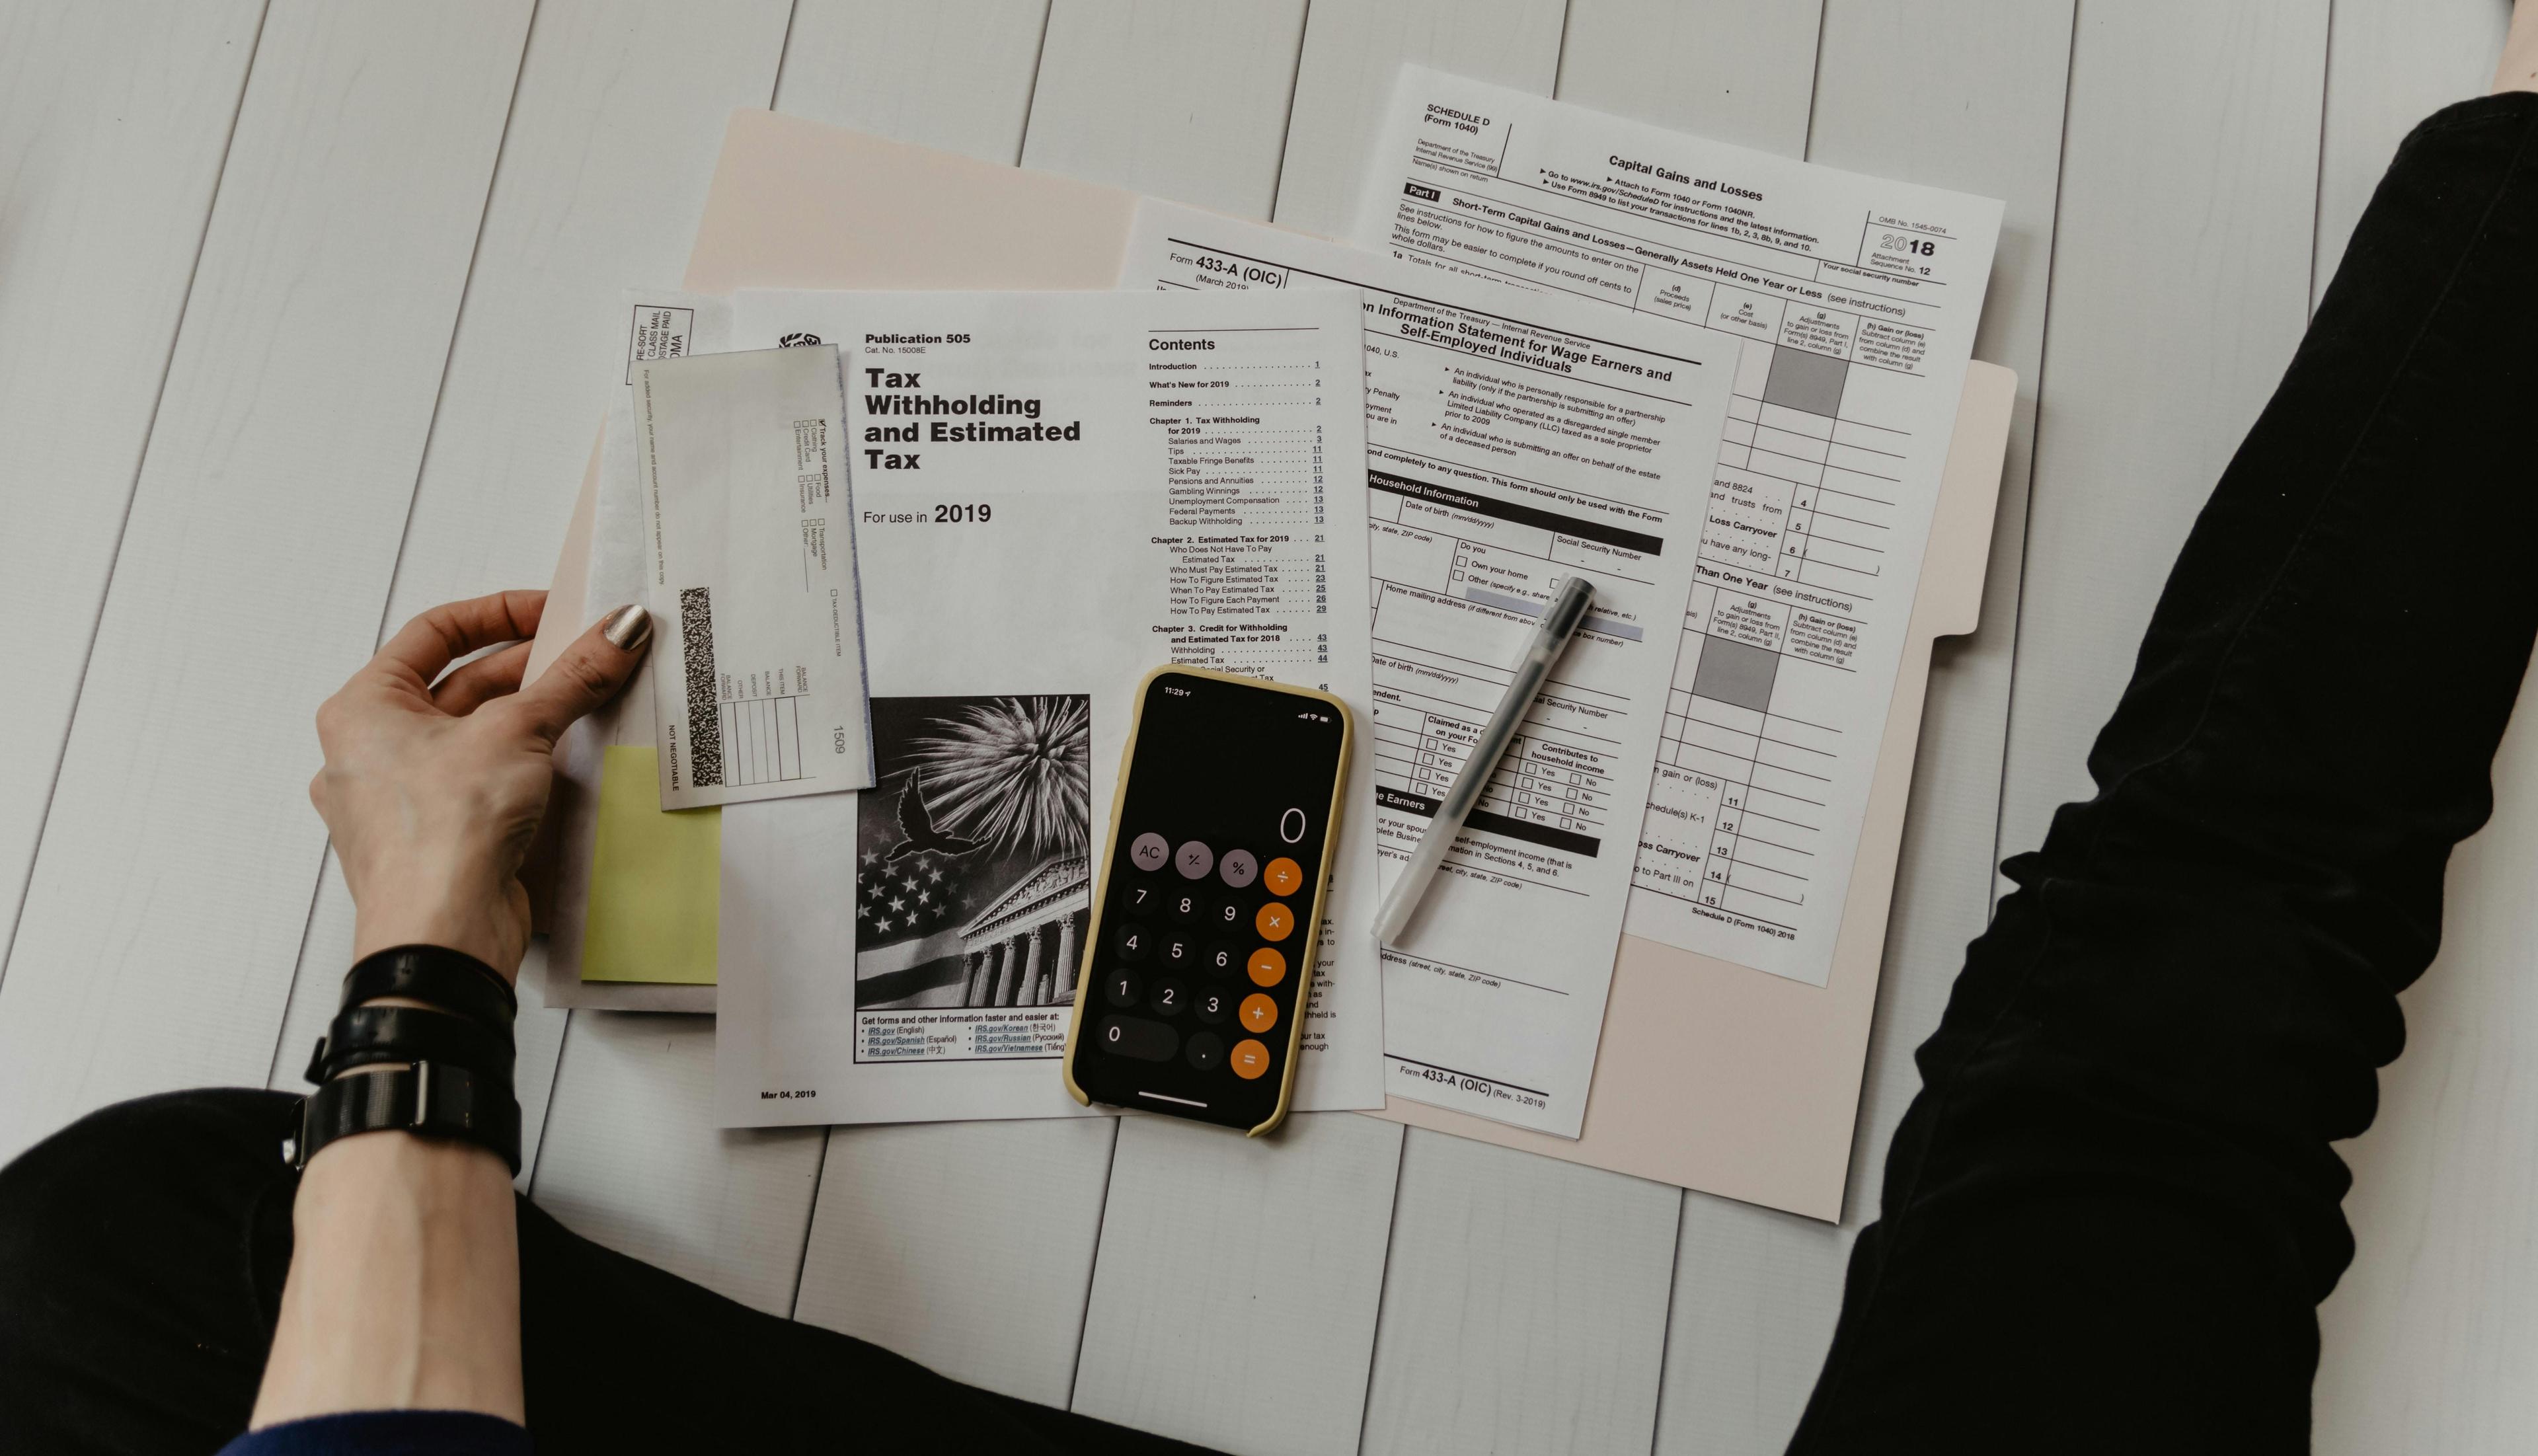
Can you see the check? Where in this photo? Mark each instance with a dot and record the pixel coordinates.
(742, 462)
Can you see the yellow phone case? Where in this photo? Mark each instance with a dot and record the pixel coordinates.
(1312, 926)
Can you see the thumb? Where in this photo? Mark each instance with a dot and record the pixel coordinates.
(587, 673)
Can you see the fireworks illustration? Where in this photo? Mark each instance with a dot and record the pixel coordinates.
(1012, 772)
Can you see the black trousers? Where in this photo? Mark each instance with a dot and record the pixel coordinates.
(2112, 1210)
(2110, 1213)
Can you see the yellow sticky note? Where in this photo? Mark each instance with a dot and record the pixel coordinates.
(656, 880)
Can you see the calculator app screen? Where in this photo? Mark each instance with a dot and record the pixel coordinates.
(1203, 960)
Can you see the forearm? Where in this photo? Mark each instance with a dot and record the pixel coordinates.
(404, 1289)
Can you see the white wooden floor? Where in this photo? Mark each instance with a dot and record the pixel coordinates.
(304, 327)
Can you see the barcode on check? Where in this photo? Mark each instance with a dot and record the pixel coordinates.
(704, 711)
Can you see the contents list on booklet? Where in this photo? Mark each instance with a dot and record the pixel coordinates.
(1511, 441)
(1846, 307)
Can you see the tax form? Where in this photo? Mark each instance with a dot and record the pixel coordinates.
(1511, 441)
(1849, 305)
(1054, 492)
(753, 576)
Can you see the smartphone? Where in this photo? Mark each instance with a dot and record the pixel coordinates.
(1208, 904)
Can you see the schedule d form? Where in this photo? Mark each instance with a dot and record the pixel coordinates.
(1848, 305)
(1511, 442)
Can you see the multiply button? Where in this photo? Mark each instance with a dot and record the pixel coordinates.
(1239, 869)
(1274, 922)
(1194, 860)
(1149, 851)
(1249, 1059)
(1258, 1012)
(1283, 876)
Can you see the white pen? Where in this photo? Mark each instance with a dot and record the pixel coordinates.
(1558, 623)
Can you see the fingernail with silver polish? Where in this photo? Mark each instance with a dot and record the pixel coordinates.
(627, 628)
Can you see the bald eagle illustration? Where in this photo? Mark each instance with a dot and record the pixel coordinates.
(916, 831)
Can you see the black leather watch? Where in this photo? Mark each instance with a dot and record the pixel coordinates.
(436, 976)
(365, 1035)
(436, 1100)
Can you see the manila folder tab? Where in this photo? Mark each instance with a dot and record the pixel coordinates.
(1715, 1077)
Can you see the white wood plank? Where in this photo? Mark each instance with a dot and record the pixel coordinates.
(1352, 48)
(1525, 1308)
(1524, 1304)
(953, 74)
(2389, 64)
(175, 877)
(600, 181)
(612, 141)
(1736, 71)
(967, 1247)
(1755, 1296)
(633, 1161)
(2430, 1341)
(1756, 1292)
(1261, 1262)
(112, 123)
(2180, 288)
(1186, 101)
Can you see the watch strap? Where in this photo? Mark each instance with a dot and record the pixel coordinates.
(433, 1099)
(363, 1035)
(434, 975)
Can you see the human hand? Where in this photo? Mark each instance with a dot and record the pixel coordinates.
(432, 792)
